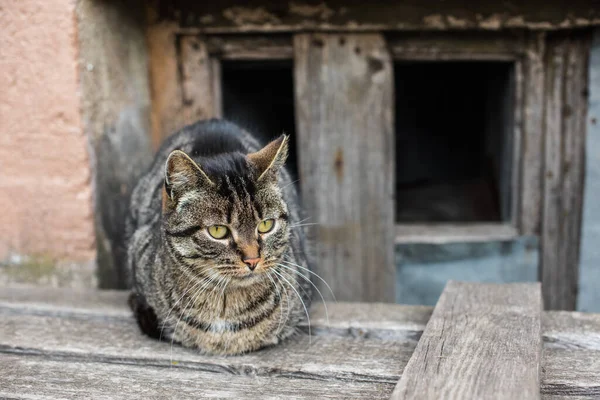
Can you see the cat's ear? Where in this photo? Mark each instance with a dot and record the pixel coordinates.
(270, 158)
(183, 174)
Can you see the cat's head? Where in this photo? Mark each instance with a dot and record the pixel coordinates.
(225, 215)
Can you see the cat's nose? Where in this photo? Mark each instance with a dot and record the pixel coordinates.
(251, 262)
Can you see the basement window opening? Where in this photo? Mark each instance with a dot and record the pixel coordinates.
(454, 135)
(259, 96)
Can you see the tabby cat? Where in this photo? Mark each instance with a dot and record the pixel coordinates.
(216, 247)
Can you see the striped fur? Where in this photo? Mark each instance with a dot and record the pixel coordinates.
(193, 289)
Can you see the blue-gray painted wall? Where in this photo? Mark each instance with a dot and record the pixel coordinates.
(589, 285)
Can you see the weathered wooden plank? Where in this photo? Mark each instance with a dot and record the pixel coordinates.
(273, 47)
(574, 114)
(164, 81)
(482, 341)
(452, 233)
(347, 159)
(118, 340)
(48, 300)
(481, 46)
(571, 330)
(570, 374)
(342, 15)
(552, 250)
(196, 79)
(48, 378)
(564, 151)
(532, 137)
(362, 320)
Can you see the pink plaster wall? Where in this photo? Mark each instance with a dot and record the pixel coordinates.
(45, 178)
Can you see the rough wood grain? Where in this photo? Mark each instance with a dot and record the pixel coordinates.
(344, 112)
(357, 320)
(116, 340)
(197, 79)
(552, 248)
(164, 81)
(482, 341)
(564, 152)
(571, 330)
(570, 374)
(452, 233)
(41, 377)
(532, 137)
(436, 46)
(273, 47)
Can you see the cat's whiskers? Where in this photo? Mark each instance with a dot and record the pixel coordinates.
(299, 225)
(310, 272)
(301, 301)
(307, 278)
(291, 183)
(278, 290)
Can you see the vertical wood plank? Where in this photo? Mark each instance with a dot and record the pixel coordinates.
(164, 82)
(344, 111)
(197, 81)
(183, 81)
(552, 251)
(532, 139)
(564, 152)
(483, 341)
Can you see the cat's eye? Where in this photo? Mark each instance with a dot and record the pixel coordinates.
(266, 225)
(218, 231)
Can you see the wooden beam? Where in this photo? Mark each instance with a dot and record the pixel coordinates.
(532, 137)
(35, 376)
(233, 16)
(482, 341)
(251, 47)
(563, 174)
(570, 374)
(453, 233)
(79, 336)
(345, 134)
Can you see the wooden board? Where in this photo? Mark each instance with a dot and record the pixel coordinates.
(358, 343)
(571, 330)
(532, 137)
(570, 374)
(57, 343)
(183, 82)
(563, 177)
(482, 341)
(345, 135)
(42, 377)
(272, 47)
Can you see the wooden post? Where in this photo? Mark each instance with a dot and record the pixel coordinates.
(344, 110)
(482, 341)
(563, 174)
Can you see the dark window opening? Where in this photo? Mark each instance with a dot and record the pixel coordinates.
(259, 96)
(454, 124)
